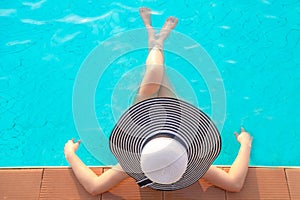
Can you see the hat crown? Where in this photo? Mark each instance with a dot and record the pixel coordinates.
(164, 160)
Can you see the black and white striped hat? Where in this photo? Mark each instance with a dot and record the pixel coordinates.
(165, 143)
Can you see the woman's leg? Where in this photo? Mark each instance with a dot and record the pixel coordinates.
(154, 74)
(166, 89)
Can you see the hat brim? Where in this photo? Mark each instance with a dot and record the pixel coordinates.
(153, 116)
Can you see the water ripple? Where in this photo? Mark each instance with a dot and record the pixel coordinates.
(12, 43)
(57, 39)
(225, 27)
(191, 47)
(35, 5)
(32, 21)
(7, 12)
(131, 9)
(231, 61)
(76, 19)
(265, 2)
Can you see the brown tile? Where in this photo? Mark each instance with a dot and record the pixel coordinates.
(263, 183)
(293, 178)
(128, 189)
(199, 190)
(20, 183)
(62, 184)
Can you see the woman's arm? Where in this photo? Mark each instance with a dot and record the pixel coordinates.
(89, 180)
(233, 181)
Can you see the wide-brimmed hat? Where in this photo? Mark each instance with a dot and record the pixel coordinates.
(165, 143)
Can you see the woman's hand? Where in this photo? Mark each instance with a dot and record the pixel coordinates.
(244, 137)
(71, 147)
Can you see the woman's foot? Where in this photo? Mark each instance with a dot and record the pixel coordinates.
(145, 15)
(170, 24)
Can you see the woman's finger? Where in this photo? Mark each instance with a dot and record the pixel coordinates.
(242, 129)
(236, 134)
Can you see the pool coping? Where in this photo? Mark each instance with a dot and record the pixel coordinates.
(61, 183)
(105, 166)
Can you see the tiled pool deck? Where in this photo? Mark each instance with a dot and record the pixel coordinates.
(60, 183)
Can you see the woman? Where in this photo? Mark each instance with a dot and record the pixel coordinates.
(156, 84)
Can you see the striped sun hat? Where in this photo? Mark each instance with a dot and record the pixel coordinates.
(165, 143)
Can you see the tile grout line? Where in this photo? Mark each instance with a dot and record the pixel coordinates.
(225, 192)
(41, 183)
(102, 171)
(287, 183)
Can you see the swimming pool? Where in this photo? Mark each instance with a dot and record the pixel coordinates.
(254, 45)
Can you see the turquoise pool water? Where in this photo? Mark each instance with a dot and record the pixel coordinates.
(254, 45)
